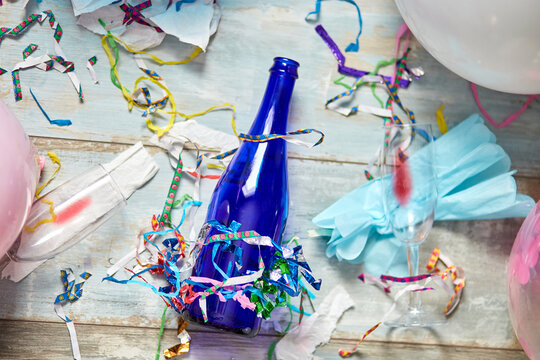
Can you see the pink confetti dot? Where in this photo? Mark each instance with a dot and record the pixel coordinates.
(231, 236)
(222, 236)
(171, 195)
(165, 216)
(246, 233)
(174, 186)
(168, 208)
(176, 178)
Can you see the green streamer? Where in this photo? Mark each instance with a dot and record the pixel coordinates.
(338, 81)
(379, 65)
(112, 45)
(180, 201)
(161, 328)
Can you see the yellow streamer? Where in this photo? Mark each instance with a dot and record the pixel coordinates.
(128, 96)
(54, 158)
(193, 55)
(217, 107)
(440, 120)
(43, 221)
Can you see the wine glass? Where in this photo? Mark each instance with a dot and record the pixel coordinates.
(410, 197)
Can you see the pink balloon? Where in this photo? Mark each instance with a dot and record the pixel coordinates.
(524, 284)
(19, 175)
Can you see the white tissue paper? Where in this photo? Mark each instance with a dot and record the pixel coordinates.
(301, 341)
(191, 22)
(130, 170)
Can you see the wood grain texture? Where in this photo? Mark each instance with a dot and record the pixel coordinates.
(234, 71)
(126, 343)
(481, 247)
(120, 322)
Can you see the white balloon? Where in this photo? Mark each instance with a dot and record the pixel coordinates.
(493, 43)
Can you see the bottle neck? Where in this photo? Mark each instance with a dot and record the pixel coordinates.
(274, 110)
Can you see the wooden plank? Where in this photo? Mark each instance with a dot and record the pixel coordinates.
(116, 343)
(481, 247)
(228, 72)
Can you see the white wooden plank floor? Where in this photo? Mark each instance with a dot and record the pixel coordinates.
(121, 322)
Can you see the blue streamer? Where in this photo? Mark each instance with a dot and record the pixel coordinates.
(58, 122)
(182, 2)
(354, 46)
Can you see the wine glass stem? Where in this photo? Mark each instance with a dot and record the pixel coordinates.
(412, 258)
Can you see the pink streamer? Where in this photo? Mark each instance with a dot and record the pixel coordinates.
(510, 118)
(401, 31)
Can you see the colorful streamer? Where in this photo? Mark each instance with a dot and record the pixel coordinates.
(43, 62)
(456, 274)
(341, 59)
(354, 46)
(72, 292)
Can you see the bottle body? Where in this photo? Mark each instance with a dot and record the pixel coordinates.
(253, 191)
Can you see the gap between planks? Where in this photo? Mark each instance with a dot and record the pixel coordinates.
(527, 182)
(117, 146)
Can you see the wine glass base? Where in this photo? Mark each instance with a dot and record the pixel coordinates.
(418, 318)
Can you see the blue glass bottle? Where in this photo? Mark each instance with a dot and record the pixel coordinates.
(252, 191)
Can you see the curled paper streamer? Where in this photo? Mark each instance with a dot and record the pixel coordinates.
(455, 273)
(341, 58)
(352, 47)
(473, 182)
(72, 292)
(44, 62)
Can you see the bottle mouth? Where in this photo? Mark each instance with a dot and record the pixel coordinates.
(285, 66)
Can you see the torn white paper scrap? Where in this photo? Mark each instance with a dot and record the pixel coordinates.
(301, 341)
